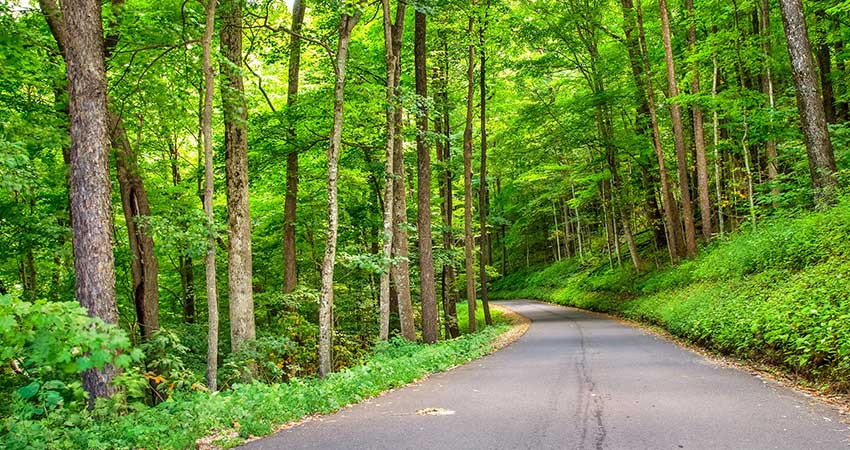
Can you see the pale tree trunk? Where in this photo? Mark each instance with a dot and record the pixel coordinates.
(699, 134)
(467, 185)
(812, 117)
(290, 276)
(675, 244)
(715, 144)
(236, 170)
(134, 202)
(430, 317)
(767, 88)
(483, 194)
(326, 296)
(678, 133)
(78, 30)
(389, 200)
(209, 261)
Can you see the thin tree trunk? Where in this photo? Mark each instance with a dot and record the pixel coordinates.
(326, 296)
(699, 134)
(134, 202)
(715, 144)
(812, 117)
(467, 184)
(557, 233)
(824, 62)
(290, 275)
(483, 194)
(678, 133)
(239, 277)
(209, 260)
(430, 316)
(767, 88)
(78, 30)
(578, 227)
(185, 264)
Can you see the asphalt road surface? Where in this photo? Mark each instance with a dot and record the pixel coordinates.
(579, 381)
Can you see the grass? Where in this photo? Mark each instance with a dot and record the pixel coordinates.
(249, 409)
(778, 295)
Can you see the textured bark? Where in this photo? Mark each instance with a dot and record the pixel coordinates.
(483, 194)
(144, 267)
(467, 185)
(239, 271)
(678, 132)
(80, 37)
(209, 261)
(326, 296)
(812, 117)
(430, 318)
(699, 135)
(675, 244)
(290, 276)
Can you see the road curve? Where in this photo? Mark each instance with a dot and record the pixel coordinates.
(577, 380)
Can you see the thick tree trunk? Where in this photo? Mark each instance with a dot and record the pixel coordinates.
(699, 135)
(79, 33)
(468, 240)
(678, 133)
(483, 194)
(675, 244)
(144, 267)
(239, 271)
(812, 117)
(209, 260)
(430, 318)
(326, 298)
(290, 276)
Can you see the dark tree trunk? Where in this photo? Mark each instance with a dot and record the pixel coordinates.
(290, 276)
(824, 61)
(483, 194)
(236, 173)
(812, 117)
(469, 245)
(430, 317)
(699, 135)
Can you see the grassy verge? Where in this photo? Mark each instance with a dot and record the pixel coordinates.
(250, 409)
(778, 295)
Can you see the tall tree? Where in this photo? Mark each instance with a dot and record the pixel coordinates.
(812, 117)
(468, 239)
(209, 261)
(326, 297)
(430, 320)
(699, 133)
(239, 270)
(678, 131)
(483, 194)
(290, 277)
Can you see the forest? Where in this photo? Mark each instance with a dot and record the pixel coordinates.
(223, 212)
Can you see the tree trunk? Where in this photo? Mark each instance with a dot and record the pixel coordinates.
(239, 278)
(824, 62)
(467, 185)
(715, 144)
(699, 135)
(209, 260)
(678, 133)
(767, 88)
(483, 194)
(79, 33)
(290, 275)
(812, 117)
(185, 264)
(430, 318)
(675, 242)
(326, 298)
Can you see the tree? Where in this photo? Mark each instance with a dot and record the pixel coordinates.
(699, 134)
(468, 239)
(430, 319)
(812, 117)
(239, 277)
(346, 24)
(290, 203)
(483, 199)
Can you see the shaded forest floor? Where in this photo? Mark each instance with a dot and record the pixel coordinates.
(777, 296)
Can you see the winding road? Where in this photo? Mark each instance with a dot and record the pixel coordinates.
(577, 380)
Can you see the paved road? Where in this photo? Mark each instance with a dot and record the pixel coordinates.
(580, 381)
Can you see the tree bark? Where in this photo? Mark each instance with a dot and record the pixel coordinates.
(430, 318)
(79, 33)
(144, 267)
(239, 271)
(326, 297)
(699, 134)
(467, 184)
(767, 88)
(812, 117)
(290, 275)
(209, 260)
(678, 132)
(483, 194)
